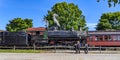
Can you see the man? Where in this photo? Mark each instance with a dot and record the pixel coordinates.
(86, 48)
(77, 47)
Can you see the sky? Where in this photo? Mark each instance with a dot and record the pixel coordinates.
(37, 9)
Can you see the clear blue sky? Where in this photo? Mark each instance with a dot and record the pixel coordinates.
(36, 9)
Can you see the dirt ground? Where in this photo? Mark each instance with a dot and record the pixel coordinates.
(57, 56)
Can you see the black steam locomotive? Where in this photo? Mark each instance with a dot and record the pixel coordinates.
(21, 38)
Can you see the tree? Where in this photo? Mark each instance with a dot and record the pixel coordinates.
(112, 2)
(19, 24)
(109, 21)
(69, 15)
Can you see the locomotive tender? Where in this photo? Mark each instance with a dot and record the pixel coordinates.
(13, 38)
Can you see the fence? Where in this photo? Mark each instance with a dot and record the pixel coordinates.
(63, 48)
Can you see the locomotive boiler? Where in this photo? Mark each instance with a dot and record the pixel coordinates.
(65, 37)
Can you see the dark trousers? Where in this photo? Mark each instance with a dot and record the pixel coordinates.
(77, 50)
(86, 50)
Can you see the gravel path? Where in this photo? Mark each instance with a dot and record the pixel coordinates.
(57, 56)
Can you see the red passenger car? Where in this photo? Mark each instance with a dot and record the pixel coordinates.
(103, 38)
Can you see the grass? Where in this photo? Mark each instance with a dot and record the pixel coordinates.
(20, 51)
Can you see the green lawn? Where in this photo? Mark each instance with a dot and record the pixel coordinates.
(20, 51)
